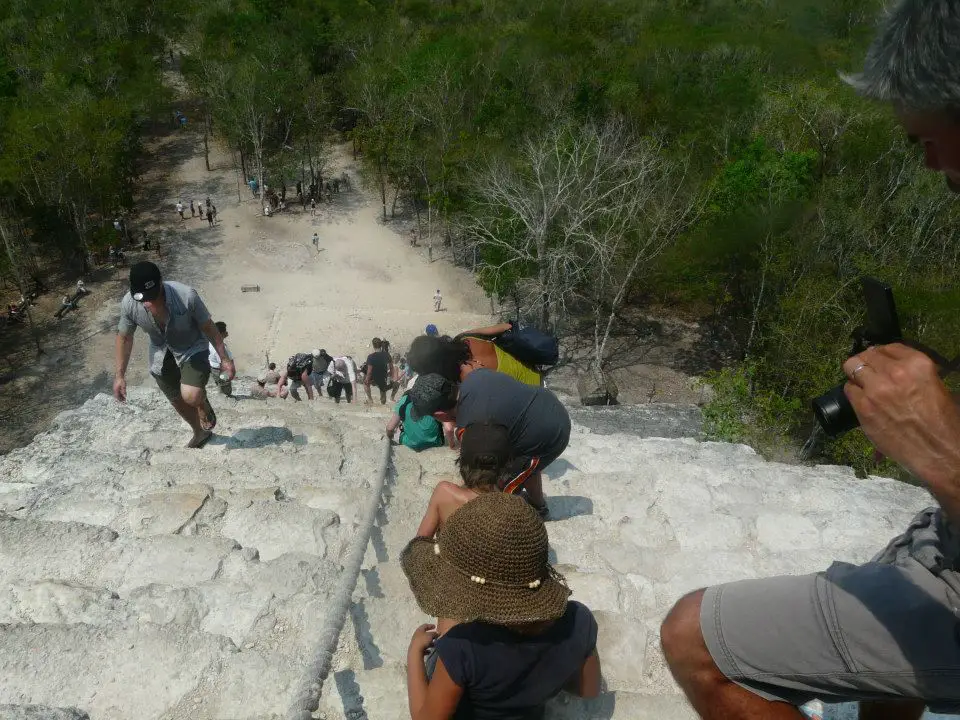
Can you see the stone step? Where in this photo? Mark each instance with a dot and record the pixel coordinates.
(660, 420)
(114, 673)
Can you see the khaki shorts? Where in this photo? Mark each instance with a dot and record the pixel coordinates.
(195, 372)
(887, 629)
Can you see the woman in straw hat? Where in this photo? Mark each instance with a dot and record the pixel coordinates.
(510, 617)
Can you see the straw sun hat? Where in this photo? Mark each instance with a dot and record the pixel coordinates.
(489, 562)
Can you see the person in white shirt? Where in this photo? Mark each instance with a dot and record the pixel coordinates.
(225, 386)
(437, 299)
(180, 209)
(343, 378)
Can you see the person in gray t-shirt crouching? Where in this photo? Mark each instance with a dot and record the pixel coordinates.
(180, 328)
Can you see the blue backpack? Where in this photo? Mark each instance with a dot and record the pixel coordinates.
(529, 345)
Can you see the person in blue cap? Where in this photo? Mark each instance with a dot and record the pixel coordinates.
(431, 330)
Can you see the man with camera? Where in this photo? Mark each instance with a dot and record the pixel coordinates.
(886, 633)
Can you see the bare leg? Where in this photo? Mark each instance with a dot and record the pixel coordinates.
(305, 378)
(892, 710)
(712, 695)
(191, 407)
(534, 488)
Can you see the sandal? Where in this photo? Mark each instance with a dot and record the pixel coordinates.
(211, 415)
(197, 444)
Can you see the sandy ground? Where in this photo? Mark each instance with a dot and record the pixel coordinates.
(365, 281)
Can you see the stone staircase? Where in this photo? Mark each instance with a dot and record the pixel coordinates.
(138, 579)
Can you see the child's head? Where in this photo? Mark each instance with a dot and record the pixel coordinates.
(272, 366)
(485, 451)
(221, 328)
(489, 562)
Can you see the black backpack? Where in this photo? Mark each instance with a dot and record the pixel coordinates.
(529, 345)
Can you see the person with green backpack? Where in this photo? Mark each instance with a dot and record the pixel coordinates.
(417, 434)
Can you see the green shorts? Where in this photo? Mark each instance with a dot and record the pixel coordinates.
(195, 372)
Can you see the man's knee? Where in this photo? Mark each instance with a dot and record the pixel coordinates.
(192, 395)
(680, 634)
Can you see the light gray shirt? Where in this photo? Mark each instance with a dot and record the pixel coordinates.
(182, 336)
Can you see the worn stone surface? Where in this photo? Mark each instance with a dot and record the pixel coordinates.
(140, 580)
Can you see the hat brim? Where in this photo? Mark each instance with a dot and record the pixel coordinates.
(444, 592)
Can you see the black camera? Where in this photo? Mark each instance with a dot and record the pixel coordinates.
(832, 409)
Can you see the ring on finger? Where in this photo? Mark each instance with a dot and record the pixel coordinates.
(858, 368)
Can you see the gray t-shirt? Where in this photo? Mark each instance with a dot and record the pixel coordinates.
(537, 422)
(182, 336)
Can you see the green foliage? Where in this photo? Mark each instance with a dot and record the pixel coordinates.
(741, 411)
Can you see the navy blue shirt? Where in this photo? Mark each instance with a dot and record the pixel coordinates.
(509, 676)
(537, 422)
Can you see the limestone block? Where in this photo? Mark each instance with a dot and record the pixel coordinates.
(168, 512)
(163, 559)
(40, 712)
(112, 673)
(239, 693)
(53, 602)
(694, 570)
(275, 528)
(284, 576)
(166, 605)
(232, 609)
(782, 532)
(347, 505)
(624, 641)
(703, 531)
(93, 506)
(16, 496)
(621, 705)
(599, 592)
(37, 550)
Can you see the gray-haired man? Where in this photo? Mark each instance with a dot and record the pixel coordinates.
(886, 633)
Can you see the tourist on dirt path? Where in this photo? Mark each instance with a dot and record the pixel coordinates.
(538, 423)
(379, 371)
(298, 370)
(316, 241)
(437, 300)
(321, 361)
(455, 358)
(313, 206)
(343, 378)
(200, 209)
(180, 210)
(193, 210)
(263, 388)
(507, 637)
(881, 633)
(213, 211)
(416, 434)
(180, 330)
(209, 218)
(225, 386)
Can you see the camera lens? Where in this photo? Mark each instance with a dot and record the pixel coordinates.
(834, 412)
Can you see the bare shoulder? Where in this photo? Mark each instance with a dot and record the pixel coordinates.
(451, 492)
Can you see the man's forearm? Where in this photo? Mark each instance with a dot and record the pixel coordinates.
(123, 348)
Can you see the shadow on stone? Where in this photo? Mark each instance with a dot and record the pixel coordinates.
(564, 507)
(249, 438)
(558, 468)
(350, 696)
(569, 707)
(366, 643)
(371, 579)
(379, 546)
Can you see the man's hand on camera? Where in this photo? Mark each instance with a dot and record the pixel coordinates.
(909, 415)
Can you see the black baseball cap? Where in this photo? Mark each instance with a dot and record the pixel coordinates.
(431, 393)
(485, 445)
(145, 281)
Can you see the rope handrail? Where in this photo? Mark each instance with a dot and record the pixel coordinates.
(308, 693)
